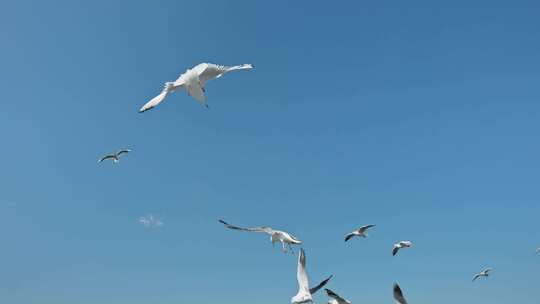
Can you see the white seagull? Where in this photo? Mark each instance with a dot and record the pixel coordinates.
(115, 157)
(483, 273)
(275, 235)
(194, 81)
(398, 295)
(360, 232)
(538, 250)
(399, 245)
(336, 299)
(305, 293)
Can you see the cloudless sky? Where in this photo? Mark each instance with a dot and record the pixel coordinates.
(421, 117)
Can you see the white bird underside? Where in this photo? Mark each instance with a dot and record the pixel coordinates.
(193, 81)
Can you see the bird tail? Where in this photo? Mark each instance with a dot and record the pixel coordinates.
(240, 67)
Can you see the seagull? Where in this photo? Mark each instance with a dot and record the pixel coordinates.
(398, 295)
(399, 245)
(115, 157)
(275, 235)
(194, 81)
(483, 273)
(336, 299)
(305, 293)
(361, 232)
(538, 250)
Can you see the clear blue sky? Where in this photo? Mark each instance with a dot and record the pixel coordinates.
(417, 116)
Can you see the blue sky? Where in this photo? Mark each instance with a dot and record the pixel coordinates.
(417, 116)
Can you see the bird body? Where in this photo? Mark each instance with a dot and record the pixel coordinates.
(285, 238)
(483, 273)
(399, 245)
(305, 293)
(360, 232)
(194, 81)
(115, 157)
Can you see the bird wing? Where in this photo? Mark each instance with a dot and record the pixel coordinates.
(475, 277)
(124, 151)
(167, 88)
(110, 156)
(334, 295)
(487, 270)
(250, 229)
(301, 275)
(349, 236)
(395, 250)
(313, 290)
(398, 295)
(154, 101)
(209, 71)
(364, 228)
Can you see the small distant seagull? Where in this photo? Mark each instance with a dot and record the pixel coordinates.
(336, 299)
(360, 232)
(538, 250)
(115, 157)
(483, 273)
(398, 295)
(194, 81)
(305, 293)
(399, 245)
(150, 221)
(275, 235)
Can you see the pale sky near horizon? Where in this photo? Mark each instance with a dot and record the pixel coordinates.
(421, 117)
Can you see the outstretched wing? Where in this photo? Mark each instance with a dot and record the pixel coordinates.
(125, 151)
(110, 156)
(395, 250)
(250, 229)
(321, 285)
(487, 270)
(398, 295)
(168, 88)
(349, 236)
(364, 228)
(301, 275)
(334, 295)
(475, 277)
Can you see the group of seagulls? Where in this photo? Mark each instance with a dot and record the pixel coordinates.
(305, 293)
(193, 81)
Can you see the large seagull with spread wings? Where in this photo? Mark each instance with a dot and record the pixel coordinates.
(194, 82)
(285, 238)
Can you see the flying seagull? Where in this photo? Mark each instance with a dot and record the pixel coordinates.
(361, 232)
(275, 235)
(538, 250)
(483, 273)
(305, 293)
(115, 157)
(194, 82)
(336, 299)
(398, 295)
(399, 245)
